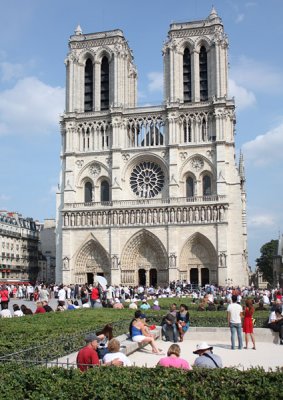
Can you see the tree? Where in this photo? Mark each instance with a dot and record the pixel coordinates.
(265, 261)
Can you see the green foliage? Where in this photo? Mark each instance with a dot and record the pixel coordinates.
(265, 261)
(104, 383)
(53, 335)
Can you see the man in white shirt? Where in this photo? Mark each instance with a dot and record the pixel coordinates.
(234, 314)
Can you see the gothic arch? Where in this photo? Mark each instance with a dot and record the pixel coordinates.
(187, 43)
(104, 52)
(85, 54)
(104, 171)
(198, 253)
(207, 165)
(144, 251)
(91, 258)
(204, 41)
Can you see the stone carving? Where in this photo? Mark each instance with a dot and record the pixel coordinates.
(147, 179)
(222, 259)
(94, 169)
(80, 163)
(183, 155)
(197, 163)
(66, 264)
(126, 156)
(114, 262)
(172, 260)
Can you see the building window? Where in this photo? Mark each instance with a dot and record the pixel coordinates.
(187, 81)
(104, 82)
(190, 187)
(88, 85)
(203, 130)
(88, 192)
(104, 191)
(187, 131)
(203, 74)
(206, 184)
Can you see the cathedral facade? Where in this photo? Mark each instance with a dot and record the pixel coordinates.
(151, 194)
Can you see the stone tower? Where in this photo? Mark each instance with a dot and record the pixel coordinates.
(151, 194)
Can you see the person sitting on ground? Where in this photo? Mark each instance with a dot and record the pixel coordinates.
(173, 359)
(98, 304)
(144, 306)
(133, 305)
(183, 321)
(221, 306)
(118, 305)
(85, 303)
(47, 307)
(70, 305)
(276, 324)
(206, 358)
(26, 310)
(39, 308)
(17, 311)
(202, 305)
(260, 306)
(169, 324)
(76, 304)
(156, 305)
(115, 353)
(139, 333)
(211, 306)
(5, 313)
(87, 357)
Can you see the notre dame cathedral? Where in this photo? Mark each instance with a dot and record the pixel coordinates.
(151, 194)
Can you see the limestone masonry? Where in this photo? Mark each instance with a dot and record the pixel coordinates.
(151, 194)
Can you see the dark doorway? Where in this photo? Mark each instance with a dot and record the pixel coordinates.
(100, 274)
(142, 277)
(204, 276)
(90, 278)
(153, 277)
(194, 276)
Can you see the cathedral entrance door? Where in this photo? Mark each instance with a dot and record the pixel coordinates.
(194, 276)
(142, 277)
(204, 276)
(89, 278)
(153, 277)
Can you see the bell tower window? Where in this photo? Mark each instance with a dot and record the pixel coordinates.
(104, 191)
(187, 81)
(203, 74)
(88, 85)
(88, 192)
(104, 93)
(206, 184)
(190, 192)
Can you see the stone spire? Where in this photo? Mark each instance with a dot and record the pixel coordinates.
(213, 16)
(78, 30)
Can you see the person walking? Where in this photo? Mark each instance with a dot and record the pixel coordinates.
(248, 327)
(234, 315)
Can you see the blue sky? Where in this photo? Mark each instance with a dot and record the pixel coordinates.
(34, 44)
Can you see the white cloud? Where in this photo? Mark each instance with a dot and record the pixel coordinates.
(261, 221)
(240, 18)
(9, 71)
(243, 97)
(155, 81)
(257, 76)
(30, 107)
(4, 197)
(265, 149)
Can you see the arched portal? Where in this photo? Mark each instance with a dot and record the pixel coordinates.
(92, 260)
(144, 258)
(198, 261)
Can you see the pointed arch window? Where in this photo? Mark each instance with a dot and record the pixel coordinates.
(88, 192)
(190, 187)
(88, 104)
(187, 131)
(203, 74)
(104, 82)
(206, 185)
(187, 80)
(104, 191)
(203, 130)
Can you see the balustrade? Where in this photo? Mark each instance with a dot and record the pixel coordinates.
(146, 216)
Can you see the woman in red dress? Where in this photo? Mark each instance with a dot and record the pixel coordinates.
(248, 327)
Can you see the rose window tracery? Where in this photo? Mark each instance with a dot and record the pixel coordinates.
(147, 179)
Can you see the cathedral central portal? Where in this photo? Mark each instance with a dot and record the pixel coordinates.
(144, 261)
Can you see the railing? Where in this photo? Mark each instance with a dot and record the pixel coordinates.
(148, 202)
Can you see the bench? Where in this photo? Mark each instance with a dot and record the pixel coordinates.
(128, 346)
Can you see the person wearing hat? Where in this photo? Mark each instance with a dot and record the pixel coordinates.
(206, 358)
(156, 305)
(87, 357)
(144, 306)
(133, 305)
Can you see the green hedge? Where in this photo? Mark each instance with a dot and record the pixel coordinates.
(54, 335)
(104, 383)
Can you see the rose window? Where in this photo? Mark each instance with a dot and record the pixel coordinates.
(147, 179)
